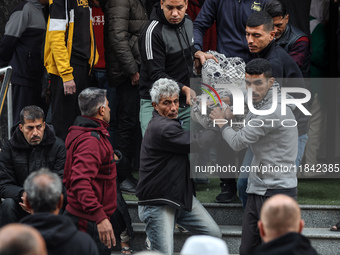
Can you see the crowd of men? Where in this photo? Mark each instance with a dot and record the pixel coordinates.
(67, 176)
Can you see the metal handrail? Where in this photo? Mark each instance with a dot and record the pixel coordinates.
(6, 90)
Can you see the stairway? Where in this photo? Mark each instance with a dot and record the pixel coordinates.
(318, 219)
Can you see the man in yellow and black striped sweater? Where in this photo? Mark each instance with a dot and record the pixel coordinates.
(70, 53)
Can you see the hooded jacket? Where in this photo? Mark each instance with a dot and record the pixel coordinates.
(291, 243)
(124, 20)
(164, 173)
(274, 145)
(18, 159)
(167, 51)
(69, 38)
(60, 235)
(22, 44)
(90, 170)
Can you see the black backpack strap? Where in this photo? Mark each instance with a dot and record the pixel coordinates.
(95, 134)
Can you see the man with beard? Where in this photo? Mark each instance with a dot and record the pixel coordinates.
(273, 144)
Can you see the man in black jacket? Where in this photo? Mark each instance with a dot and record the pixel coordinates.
(167, 51)
(43, 198)
(260, 37)
(21, 47)
(290, 38)
(124, 20)
(33, 145)
(165, 190)
(280, 228)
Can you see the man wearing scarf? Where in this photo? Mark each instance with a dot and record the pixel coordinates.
(273, 140)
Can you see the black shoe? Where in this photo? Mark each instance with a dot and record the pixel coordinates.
(227, 195)
(201, 180)
(129, 185)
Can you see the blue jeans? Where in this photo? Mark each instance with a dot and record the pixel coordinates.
(160, 222)
(301, 149)
(242, 181)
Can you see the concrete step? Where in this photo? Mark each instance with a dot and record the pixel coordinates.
(315, 216)
(324, 241)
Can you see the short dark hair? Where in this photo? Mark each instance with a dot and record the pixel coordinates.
(261, 18)
(31, 112)
(90, 100)
(275, 8)
(43, 195)
(259, 66)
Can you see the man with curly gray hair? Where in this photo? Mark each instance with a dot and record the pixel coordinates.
(43, 198)
(165, 190)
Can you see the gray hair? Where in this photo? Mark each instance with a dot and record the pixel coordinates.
(163, 88)
(90, 100)
(43, 195)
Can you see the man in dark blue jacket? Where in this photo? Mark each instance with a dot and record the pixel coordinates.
(260, 36)
(231, 17)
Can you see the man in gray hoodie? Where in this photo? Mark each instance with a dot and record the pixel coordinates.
(272, 137)
(21, 47)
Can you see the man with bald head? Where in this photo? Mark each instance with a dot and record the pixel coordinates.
(280, 228)
(19, 239)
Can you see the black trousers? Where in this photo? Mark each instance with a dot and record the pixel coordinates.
(89, 227)
(24, 96)
(65, 108)
(250, 238)
(227, 156)
(11, 212)
(121, 219)
(128, 133)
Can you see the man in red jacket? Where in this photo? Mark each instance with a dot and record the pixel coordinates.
(90, 170)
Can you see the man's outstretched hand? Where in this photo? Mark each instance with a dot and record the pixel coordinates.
(200, 58)
(189, 94)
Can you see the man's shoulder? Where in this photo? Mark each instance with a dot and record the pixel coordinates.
(152, 27)
(279, 57)
(84, 136)
(296, 33)
(21, 6)
(281, 54)
(161, 125)
(58, 143)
